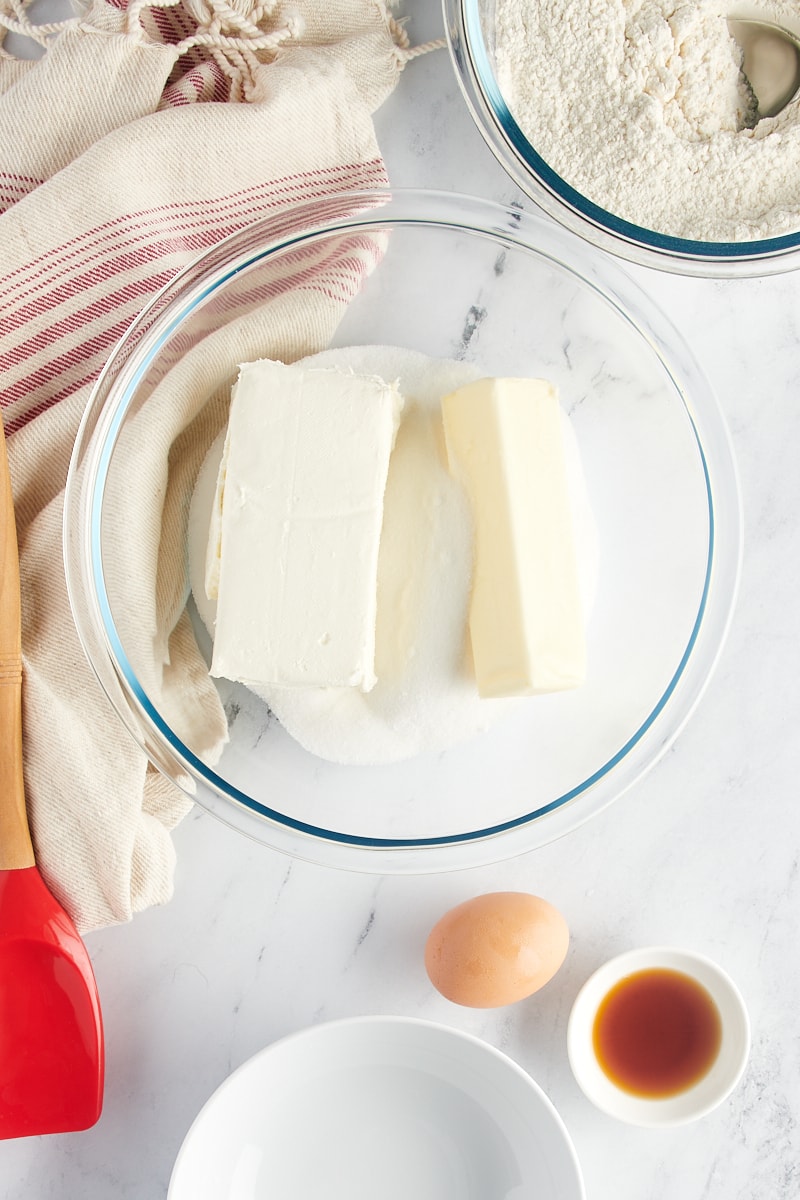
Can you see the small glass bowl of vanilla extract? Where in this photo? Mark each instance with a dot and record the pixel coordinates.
(658, 1036)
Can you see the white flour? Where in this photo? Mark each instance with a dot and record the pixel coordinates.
(638, 105)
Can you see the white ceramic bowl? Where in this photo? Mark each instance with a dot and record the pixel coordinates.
(392, 1107)
(710, 1090)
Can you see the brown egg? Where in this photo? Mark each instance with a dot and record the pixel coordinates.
(496, 949)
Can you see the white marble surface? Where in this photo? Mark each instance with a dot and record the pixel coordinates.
(703, 853)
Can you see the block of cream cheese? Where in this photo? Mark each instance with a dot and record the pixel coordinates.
(293, 543)
(504, 442)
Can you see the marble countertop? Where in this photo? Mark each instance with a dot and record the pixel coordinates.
(702, 853)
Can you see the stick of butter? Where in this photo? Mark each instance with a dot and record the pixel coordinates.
(293, 542)
(504, 443)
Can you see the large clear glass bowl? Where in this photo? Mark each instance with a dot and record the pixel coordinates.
(469, 25)
(453, 277)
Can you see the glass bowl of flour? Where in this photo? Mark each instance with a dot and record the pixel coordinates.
(417, 771)
(635, 126)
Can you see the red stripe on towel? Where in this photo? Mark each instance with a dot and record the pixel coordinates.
(133, 256)
(337, 276)
(260, 198)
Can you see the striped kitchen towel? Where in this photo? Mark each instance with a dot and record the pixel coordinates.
(143, 135)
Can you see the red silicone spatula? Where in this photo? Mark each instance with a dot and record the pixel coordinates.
(51, 1033)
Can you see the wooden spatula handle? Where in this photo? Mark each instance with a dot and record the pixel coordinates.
(16, 850)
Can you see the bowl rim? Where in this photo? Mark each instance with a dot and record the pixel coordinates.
(105, 411)
(384, 1029)
(526, 167)
(692, 1103)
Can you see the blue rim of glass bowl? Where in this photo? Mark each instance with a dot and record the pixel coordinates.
(183, 753)
(683, 247)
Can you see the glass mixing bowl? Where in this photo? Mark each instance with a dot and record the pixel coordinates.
(452, 277)
(469, 26)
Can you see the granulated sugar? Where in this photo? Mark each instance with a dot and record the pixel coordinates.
(640, 105)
